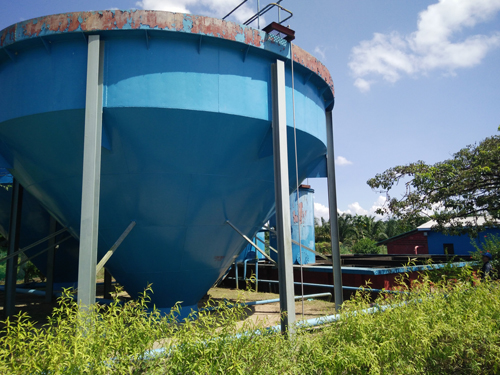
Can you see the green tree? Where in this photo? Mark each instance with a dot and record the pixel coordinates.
(322, 230)
(465, 186)
(369, 227)
(347, 229)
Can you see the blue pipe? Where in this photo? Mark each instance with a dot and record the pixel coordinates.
(57, 294)
(267, 301)
(236, 273)
(333, 287)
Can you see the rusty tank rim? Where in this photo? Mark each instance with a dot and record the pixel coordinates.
(108, 20)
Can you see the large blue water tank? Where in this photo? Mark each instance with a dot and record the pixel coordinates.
(187, 135)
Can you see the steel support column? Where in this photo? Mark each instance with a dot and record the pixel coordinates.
(89, 226)
(107, 284)
(282, 195)
(49, 285)
(332, 200)
(11, 266)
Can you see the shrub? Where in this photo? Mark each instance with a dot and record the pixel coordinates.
(365, 246)
(489, 244)
(326, 248)
(441, 328)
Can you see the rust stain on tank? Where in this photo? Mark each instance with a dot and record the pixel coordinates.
(253, 37)
(306, 59)
(148, 19)
(8, 35)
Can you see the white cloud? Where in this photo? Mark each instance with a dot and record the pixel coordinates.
(213, 8)
(362, 84)
(436, 44)
(321, 211)
(320, 51)
(353, 209)
(356, 209)
(340, 160)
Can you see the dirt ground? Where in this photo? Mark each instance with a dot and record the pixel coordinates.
(39, 310)
(269, 313)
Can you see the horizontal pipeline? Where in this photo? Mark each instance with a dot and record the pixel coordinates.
(266, 301)
(329, 286)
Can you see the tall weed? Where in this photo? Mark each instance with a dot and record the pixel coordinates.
(441, 327)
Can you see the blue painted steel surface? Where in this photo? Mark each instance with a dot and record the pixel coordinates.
(301, 211)
(187, 138)
(249, 251)
(462, 244)
(35, 226)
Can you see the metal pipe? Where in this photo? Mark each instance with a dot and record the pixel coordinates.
(20, 251)
(258, 11)
(282, 194)
(270, 247)
(89, 227)
(267, 301)
(44, 250)
(332, 203)
(111, 251)
(27, 291)
(250, 242)
(266, 9)
(296, 243)
(333, 287)
(236, 274)
(231, 12)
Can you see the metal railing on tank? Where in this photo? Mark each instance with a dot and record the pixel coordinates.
(261, 12)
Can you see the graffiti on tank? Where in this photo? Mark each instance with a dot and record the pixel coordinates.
(300, 217)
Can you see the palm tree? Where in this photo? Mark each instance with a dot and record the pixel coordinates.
(322, 231)
(369, 227)
(347, 229)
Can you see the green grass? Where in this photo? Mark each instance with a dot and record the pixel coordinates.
(447, 326)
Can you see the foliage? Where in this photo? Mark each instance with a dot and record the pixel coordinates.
(326, 248)
(357, 227)
(443, 327)
(26, 272)
(365, 246)
(489, 244)
(466, 186)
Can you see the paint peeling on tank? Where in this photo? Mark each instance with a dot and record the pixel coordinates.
(187, 25)
(157, 20)
(240, 38)
(304, 58)
(8, 35)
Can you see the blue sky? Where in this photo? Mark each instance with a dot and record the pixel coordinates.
(414, 80)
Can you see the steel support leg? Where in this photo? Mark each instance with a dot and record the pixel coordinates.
(282, 195)
(49, 285)
(237, 277)
(332, 200)
(11, 266)
(89, 226)
(107, 284)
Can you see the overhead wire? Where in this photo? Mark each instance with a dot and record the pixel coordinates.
(299, 213)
